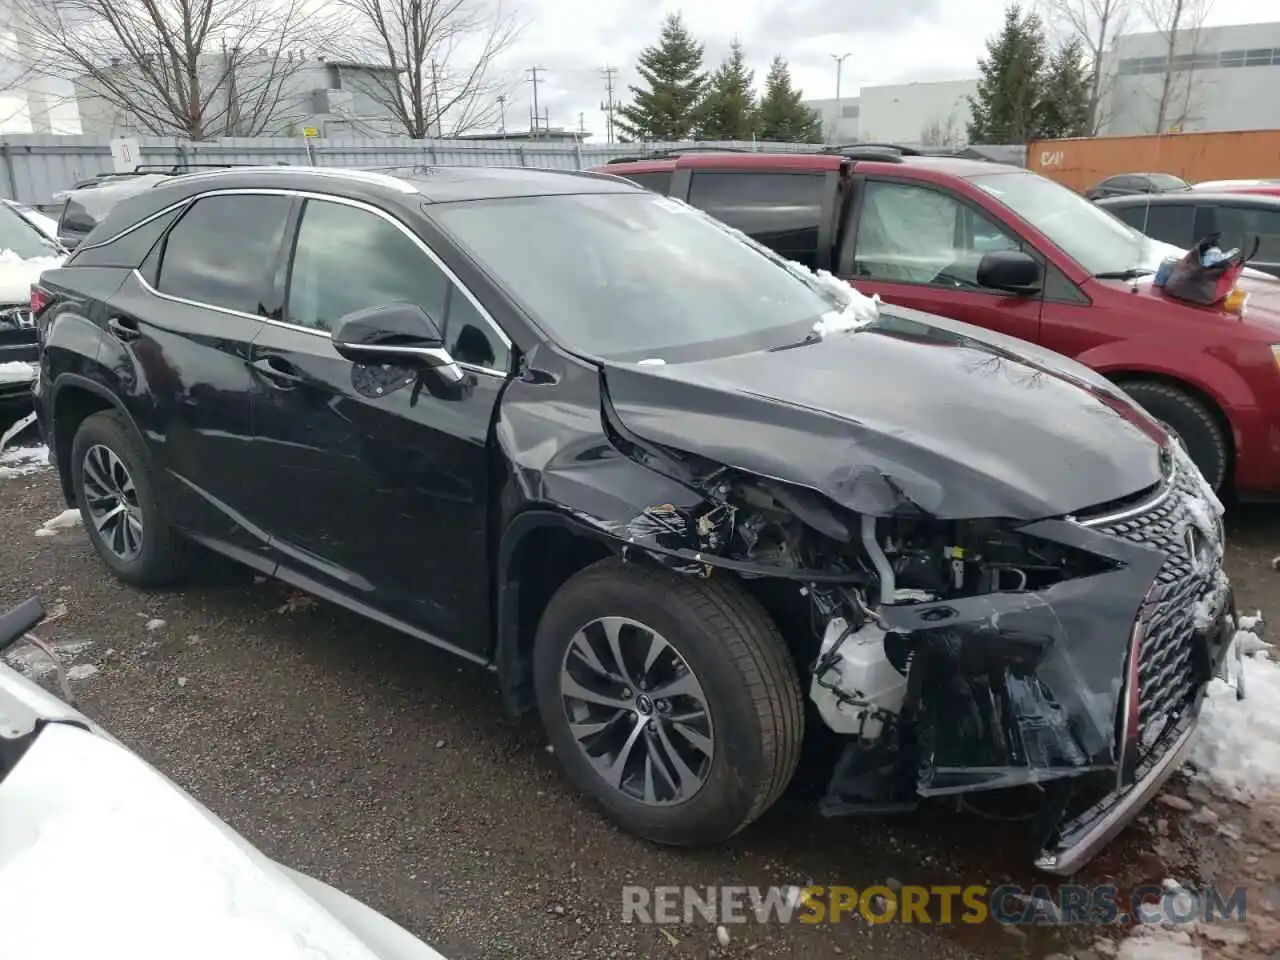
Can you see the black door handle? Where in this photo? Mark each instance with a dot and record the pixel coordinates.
(123, 328)
(280, 372)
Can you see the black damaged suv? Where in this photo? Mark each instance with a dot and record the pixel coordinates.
(687, 497)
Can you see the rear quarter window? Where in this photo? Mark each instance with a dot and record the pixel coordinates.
(130, 248)
(781, 210)
(658, 181)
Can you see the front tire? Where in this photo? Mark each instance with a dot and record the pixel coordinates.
(112, 477)
(672, 702)
(1196, 426)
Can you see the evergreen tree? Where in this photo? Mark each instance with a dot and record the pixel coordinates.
(729, 111)
(1008, 108)
(1065, 111)
(782, 117)
(667, 108)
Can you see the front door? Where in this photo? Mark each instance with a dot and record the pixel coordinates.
(919, 246)
(374, 480)
(180, 331)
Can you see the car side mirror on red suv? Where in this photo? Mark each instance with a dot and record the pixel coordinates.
(398, 334)
(1011, 271)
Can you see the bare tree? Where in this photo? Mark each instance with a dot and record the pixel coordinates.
(1096, 24)
(1178, 24)
(442, 53)
(941, 132)
(187, 68)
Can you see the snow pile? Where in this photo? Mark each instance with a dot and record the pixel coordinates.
(44, 263)
(1158, 943)
(1237, 750)
(23, 460)
(17, 371)
(858, 309)
(63, 521)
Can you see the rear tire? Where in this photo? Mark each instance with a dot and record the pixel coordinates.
(112, 471)
(738, 665)
(1194, 424)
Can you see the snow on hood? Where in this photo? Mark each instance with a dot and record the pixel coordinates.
(17, 275)
(100, 855)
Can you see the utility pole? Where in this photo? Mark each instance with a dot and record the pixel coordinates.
(502, 113)
(582, 126)
(839, 58)
(834, 133)
(534, 79)
(610, 73)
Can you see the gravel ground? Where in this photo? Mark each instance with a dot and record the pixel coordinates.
(387, 769)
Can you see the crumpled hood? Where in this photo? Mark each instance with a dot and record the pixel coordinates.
(911, 409)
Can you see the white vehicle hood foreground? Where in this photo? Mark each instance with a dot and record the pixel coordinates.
(17, 275)
(101, 855)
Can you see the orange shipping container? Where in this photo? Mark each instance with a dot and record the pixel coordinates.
(1223, 155)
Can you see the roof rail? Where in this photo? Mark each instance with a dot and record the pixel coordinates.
(677, 152)
(868, 152)
(844, 148)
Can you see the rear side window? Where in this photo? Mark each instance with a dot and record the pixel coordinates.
(1167, 222)
(658, 182)
(780, 210)
(224, 252)
(1240, 225)
(129, 249)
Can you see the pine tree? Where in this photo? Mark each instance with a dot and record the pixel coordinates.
(1008, 108)
(783, 118)
(1065, 110)
(667, 108)
(729, 111)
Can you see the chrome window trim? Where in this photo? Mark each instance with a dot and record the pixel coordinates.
(329, 198)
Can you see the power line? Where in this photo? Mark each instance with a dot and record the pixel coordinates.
(536, 117)
(609, 73)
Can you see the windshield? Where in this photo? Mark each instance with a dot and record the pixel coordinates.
(1097, 240)
(633, 276)
(20, 238)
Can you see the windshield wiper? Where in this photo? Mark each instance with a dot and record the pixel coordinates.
(1133, 273)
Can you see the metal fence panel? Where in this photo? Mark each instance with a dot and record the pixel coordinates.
(35, 167)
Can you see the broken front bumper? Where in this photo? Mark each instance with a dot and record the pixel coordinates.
(1087, 690)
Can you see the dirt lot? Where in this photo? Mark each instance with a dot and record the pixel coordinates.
(386, 768)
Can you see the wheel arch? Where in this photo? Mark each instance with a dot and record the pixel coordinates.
(540, 549)
(76, 398)
(1211, 402)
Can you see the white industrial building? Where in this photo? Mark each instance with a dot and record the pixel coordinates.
(914, 114)
(1224, 78)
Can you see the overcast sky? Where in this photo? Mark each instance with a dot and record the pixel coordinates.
(889, 41)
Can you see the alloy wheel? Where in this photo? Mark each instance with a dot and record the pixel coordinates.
(637, 711)
(112, 501)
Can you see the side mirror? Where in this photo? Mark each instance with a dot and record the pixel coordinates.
(1011, 271)
(398, 334)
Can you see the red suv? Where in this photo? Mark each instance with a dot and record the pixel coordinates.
(1009, 250)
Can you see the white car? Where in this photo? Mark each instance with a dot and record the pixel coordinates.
(101, 855)
(25, 253)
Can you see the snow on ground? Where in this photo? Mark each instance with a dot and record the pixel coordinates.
(63, 521)
(34, 664)
(1237, 750)
(1158, 943)
(23, 460)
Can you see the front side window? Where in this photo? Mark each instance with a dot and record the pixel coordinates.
(224, 252)
(781, 210)
(348, 259)
(911, 234)
(634, 276)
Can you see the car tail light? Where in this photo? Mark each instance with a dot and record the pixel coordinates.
(39, 299)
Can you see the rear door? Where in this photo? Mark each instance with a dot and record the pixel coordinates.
(1173, 223)
(179, 334)
(1243, 224)
(919, 245)
(372, 480)
(791, 211)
